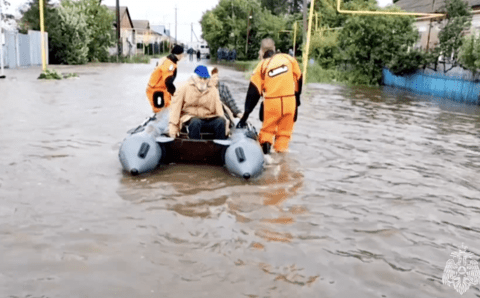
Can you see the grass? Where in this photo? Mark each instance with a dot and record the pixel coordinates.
(317, 74)
(52, 74)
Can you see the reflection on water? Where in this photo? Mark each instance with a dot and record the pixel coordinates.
(379, 188)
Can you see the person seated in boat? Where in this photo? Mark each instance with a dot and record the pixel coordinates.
(160, 87)
(197, 106)
(225, 95)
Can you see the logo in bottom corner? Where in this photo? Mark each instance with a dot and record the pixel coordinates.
(460, 271)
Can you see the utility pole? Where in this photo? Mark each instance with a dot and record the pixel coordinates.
(191, 34)
(176, 24)
(42, 32)
(119, 44)
(2, 75)
(305, 7)
(248, 32)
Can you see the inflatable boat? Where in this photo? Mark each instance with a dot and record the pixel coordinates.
(148, 146)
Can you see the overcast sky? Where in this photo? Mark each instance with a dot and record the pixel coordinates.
(160, 12)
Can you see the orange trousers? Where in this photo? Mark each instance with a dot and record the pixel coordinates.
(167, 98)
(278, 122)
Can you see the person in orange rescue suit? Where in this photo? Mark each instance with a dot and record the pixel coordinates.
(160, 87)
(279, 80)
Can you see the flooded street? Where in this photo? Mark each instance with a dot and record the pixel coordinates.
(380, 187)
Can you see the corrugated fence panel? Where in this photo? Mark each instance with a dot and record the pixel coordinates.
(36, 47)
(438, 84)
(24, 50)
(4, 49)
(11, 48)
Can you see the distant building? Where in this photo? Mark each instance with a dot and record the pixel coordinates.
(161, 29)
(127, 32)
(164, 32)
(429, 36)
(147, 36)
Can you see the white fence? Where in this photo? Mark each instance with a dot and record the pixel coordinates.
(22, 50)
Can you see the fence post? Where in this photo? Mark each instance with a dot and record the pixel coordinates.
(46, 47)
(17, 50)
(2, 75)
(30, 41)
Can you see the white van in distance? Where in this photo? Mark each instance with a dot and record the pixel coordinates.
(202, 47)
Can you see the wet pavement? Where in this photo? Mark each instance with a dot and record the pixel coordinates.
(380, 187)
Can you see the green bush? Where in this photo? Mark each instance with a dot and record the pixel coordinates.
(469, 56)
(50, 74)
(79, 31)
(227, 23)
(324, 48)
(459, 18)
(317, 74)
(405, 63)
(73, 34)
(369, 43)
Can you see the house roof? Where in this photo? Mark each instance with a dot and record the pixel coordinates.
(141, 24)
(428, 6)
(160, 29)
(123, 11)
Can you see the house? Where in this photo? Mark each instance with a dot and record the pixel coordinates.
(429, 36)
(161, 29)
(164, 32)
(127, 32)
(146, 36)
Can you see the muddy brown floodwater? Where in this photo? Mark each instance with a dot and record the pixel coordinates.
(380, 187)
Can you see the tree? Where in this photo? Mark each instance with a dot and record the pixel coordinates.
(328, 15)
(72, 27)
(469, 56)
(371, 42)
(226, 26)
(30, 19)
(74, 34)
(459, 18)
(6, 17)
(324, 48)
(277, 7)
(99, 21)
(295, 6)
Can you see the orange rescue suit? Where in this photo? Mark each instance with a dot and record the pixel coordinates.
(279, 80)
(160, 87)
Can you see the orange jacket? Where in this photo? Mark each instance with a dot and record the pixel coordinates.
(161, 82)
(277, 75)
(164, 74)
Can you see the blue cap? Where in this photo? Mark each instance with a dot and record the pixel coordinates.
(202, 71)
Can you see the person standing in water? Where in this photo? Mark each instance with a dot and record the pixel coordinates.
(279, 80)
(160, 88)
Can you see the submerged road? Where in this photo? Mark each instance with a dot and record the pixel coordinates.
(380, 187)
